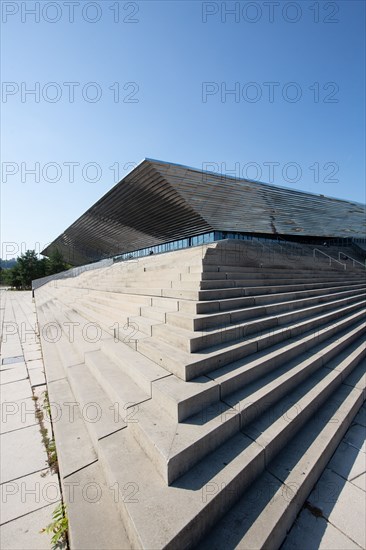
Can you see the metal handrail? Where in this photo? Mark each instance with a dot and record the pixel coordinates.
(352, 259)
(72, 272)
(331, 259)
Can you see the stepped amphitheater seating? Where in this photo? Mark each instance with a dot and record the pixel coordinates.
(235, 367)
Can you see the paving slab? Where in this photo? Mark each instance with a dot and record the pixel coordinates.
(360, 418)
(24, 533)
(22, 453)
(348, 461)
(8, 352)
(267, 492)
(356, 436)
(37, 377)
(74, 447)
(91, 498)
(29, 340)
(8, 366)
(354, 380)
(32, 355)
(28, 493)
(35, 364)
(31, 346)
(360, 481)
(10, 360)
(17, 415)
(15, 391)
(315, 533)
(338, 500)
(11, 334)
(13, 374)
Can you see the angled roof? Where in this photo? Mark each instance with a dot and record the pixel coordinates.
(158, 202)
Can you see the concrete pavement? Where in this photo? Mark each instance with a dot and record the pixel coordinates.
(29, 490)
(333, 517)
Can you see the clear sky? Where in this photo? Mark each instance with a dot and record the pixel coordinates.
(272, 91)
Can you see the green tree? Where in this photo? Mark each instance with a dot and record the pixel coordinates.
(30, 267)
(56, 262)
(11, 277)
(3, 276)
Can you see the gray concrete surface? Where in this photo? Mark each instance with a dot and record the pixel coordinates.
(321, 317)
(334, 515)
(29, 490)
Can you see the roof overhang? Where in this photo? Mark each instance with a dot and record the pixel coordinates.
(159, 202)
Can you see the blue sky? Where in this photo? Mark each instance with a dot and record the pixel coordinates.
(295, 116)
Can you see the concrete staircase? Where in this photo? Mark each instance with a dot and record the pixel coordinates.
(221, 379)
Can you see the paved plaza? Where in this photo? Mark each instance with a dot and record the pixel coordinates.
(29, 490)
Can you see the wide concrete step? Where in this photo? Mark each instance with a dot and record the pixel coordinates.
(197, 284)
(273, 259)
(153, 312)
(100, 414)
(188, 366)
(241, 373)
(269, 289)
(166, 264)
(259, 281)
(254, 281)
(141, 369)
(143, 324)
(183, 399)
(68, 425)
(147, 282)
(225, 304)
(123, 290)
(179, 515)
(76, 456)
(202, 322)
(168, 304)
(174, 449)
(115, 314)
(57, 286)
(242, 378)
(184, 294)
(271, 269)
(115, 325)
(175, 516)
(118, 297)
(279, 423)
(73, 333)
(121, 390)
(54, 332)
(117, 301)
(265, 513)
(191, 341)
(267, 274)
(258, 396)
(51, 357)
